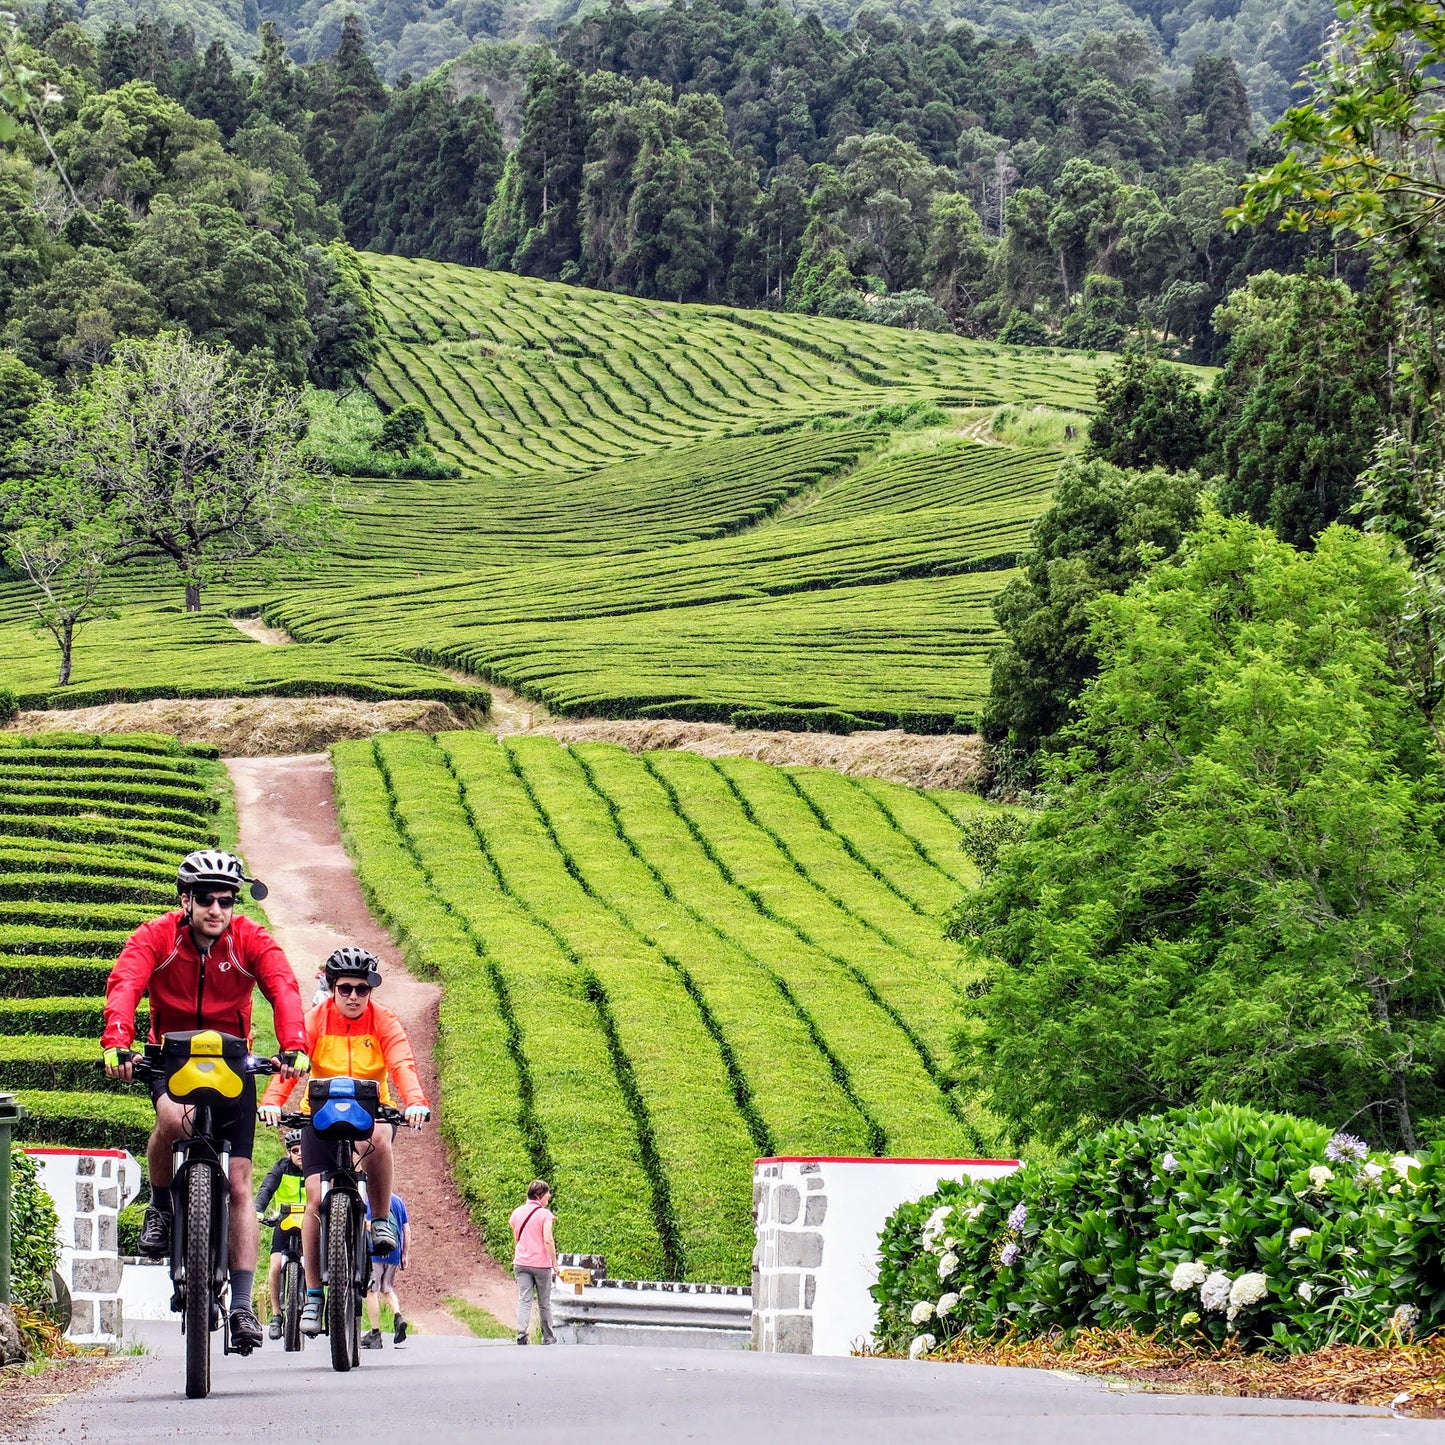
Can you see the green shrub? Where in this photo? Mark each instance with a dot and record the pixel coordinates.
(89, 1121)
(34, 1233)
(9, 706)
(1224, 1221)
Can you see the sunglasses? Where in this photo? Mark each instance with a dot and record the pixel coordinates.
(225, 900)
(353, 990)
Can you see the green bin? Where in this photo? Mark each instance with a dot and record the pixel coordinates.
(11, 1114)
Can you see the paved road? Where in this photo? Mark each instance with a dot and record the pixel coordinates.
(441, 1389)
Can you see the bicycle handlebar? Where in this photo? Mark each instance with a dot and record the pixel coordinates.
(145, 1068)
(385, 1114)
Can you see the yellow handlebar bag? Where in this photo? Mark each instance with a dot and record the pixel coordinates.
(203, 1067)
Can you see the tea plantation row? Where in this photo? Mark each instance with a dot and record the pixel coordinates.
(91, 830)
(656, 968)
(526, 375)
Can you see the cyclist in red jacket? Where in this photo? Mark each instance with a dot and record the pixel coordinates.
(199, 966)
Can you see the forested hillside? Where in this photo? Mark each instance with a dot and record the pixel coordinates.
(919, 177)
(1269, 43)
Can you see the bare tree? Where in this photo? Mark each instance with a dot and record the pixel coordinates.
(63, 541)
(198, 462)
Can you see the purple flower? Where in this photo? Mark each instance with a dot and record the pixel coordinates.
(1345, 1148)
(1010, 1253)
(1018, 1216)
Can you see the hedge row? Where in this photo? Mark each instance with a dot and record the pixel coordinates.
(147, 840)
(45, 888)
(909, 989)
(37, 856)
(22, 977)
(48, 1061)
(784, 1085)
(107, 747)
(80, 802)
(481, 1094)
(867, 1050)
(62, 1014)
(701, 1156)
(83, 1120)
(578, 1102)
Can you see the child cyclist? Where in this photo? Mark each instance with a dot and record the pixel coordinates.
(351, 1037)
(284, 1185)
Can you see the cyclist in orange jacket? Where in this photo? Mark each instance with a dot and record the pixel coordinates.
(349, 1036)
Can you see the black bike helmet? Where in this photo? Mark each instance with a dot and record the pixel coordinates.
(209, 867)
(293, 1138)
(352, 962)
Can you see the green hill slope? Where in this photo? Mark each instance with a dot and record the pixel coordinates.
(668, 510)
(657, 967)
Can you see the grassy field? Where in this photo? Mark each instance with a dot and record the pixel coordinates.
(695, 512)
(657, 967)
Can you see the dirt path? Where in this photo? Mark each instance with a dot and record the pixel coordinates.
(290, 837)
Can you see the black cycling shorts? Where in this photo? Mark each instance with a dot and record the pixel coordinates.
(318, 1154)
(234, 1122)
(278, 1239)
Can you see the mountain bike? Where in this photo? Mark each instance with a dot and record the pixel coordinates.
(344, 1112)
(200, 1070)
(293, 1276)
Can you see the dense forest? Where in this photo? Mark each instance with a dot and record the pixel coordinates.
(916, 175)
(1269, 43)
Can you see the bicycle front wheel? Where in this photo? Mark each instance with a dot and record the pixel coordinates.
(340, 1267)
(197, 1317)
(293, 1291)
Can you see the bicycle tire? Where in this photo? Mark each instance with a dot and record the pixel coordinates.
(199, 1287)
(340, 1291)
(293, 1290)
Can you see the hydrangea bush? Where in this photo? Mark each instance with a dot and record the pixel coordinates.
(1221, 1221)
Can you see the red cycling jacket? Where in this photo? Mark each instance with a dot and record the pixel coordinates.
(160, 958)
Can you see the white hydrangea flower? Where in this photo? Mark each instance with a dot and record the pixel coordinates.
(933, 1227)
(1402, 1164)
(1248, 1290)
(922, 1312)
(1320, 1175)
(921, 1346)
(947, 1265)
(1306, 1291)
(1214, 1292)
(1373, 1171)
(1188, 1274)
(949, 1242)
(947, 1302)
(1295, 1235)
(973, 1211)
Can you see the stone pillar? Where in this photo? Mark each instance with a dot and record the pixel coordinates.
(789, 1204)
(90, 1189)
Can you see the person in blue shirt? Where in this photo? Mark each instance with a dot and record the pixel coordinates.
(383, 1279)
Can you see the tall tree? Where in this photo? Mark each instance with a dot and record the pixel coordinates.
(1238, 891)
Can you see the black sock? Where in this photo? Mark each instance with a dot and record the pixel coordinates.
(161, 1198)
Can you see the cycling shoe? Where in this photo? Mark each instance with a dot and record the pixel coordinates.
(246, 1332)
(155, 1233)
(311, 1316)
(383, 1236)
(273, 1330)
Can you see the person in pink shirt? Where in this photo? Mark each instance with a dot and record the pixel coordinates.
(534, 1260)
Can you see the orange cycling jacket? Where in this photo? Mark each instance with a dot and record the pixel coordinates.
(369, 1047)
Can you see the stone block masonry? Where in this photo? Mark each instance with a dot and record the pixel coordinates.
(90, 1188)
(818, 1222)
